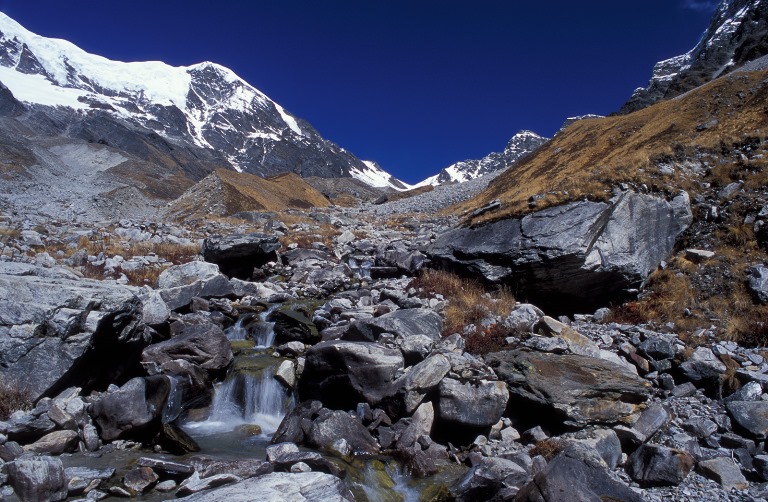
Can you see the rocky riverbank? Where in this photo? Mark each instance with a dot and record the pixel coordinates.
(517, 405)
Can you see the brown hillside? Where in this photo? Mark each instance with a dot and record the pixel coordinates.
(594, 155)
(224, 193)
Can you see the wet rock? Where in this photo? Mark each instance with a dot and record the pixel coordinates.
(401, 323)
(55, 443)
(484, 480)
(133, 411)
(204, 345)
(140, 479)
(195, 484)
(166, 467)
(80, 479)
(342, 374)
(238, 254)
(751, 416)
(286, 374)
(207, 466)
(284, 461)
(578, 389)
(291, 429)
(173, 439)
(335, 425)
(582, 255)
(654, 465)
(294, 326)
(278, 487)
(38, 478)
(725, 471)
(576, 473)
(478, 404)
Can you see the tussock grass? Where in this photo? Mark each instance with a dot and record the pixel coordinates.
(13, 397)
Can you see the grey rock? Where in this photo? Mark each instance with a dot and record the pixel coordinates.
(140, 479)
(278, 487)
(336, 425)
(760, 463)
(420, 425)
(751, 416)
(604, 441)
(486, 479)
(133, 411)
(576, 473)
(38, 478)
(342, 374)
(657, 347)
(583, 255)
(700, 427)
(187, 274)
(578, 389)
(412, 388)
(294, 326)
(56, 331)
(725, 471)
(276, 451)
(479, 404)
(523, 317)
(203, 345)
(654, 465)
(702, 367)
(243, 468)
(217, 286)
(576, 342)
(55, 443)
(166, 467)
(237, 255)
(758, 282)
(401, 323)
(195, 484)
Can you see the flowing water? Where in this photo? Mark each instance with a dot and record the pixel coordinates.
(260, 331)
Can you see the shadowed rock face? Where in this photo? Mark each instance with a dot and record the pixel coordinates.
(574, 257)
(578, 389)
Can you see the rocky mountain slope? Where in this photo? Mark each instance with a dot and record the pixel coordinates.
(203, 107)
(521, 144)
(737, 34)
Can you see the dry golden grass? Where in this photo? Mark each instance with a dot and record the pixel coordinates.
(323, 234)
(13, 397)
(593, 155)
(468, 301)
(548, 448)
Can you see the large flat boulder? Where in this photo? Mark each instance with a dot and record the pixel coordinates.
(238, 254)
(402, 323)
(578, 256)
(578, 389)
(279, 487)
(204, 345)
(133, 411)
(59, 331)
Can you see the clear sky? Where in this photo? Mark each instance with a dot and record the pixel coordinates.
(415, 85)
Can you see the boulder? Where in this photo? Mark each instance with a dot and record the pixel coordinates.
(577, 257)
(217, 286)
(604, 441)
(655, 465)
(483, 481)
(578, 389)
(758, 282)
(703, 368)
(294, 326)
(278, 487)
(342, 374)
(476, 405)
(336, 425)
(576, 473)
(58, 331)
(291, 429)
(186, 274)
(55, 443)
(401, 323)
(38, 478)
(140, 479)
(134, 410)
(238, 254)
(750, 416)
(725, 471)
(243, 468)
(576, 342)
(411, 389)
(204, 345)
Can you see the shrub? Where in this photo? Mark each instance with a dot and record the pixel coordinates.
(548, 448)
(13, 397)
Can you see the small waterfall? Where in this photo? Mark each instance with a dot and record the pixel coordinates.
(246, 398)
(172, 408)
(261, 331)
(238, 331)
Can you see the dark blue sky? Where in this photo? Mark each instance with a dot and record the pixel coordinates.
(413, 84)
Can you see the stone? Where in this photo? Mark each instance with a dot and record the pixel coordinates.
(657, 348)
(578, 256)
(26, 427)
(758, 282)
(55, 443)
(576, 342)
(478, 405)
(703, 367)
(195, 484)
(81, 479)
(760, 463)
(401, 323)
(294, 326)
(342, 374)
(276, 451)
(204, 345)
(283, 461)
(411, 389)
(576, 473)
(186, 274)
(286, 373)
(655, 465)
(59, 331)
(483, 481)
(140, 479)
(698, 255)
(244, 468)
(166, 486)
(291, 429)
(604, 441)
(578, 389)
(238, 254)
(335, 425)
(750, 416)
(700, 427)
(522, 318)
(420, 425)
(725, 471)
(279, 487)
(133, 411)
(173, 439)
(180, 297)
(38, 478)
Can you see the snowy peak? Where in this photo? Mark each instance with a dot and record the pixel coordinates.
(375, 176)
(520, 145)
(205, 105)
(737, 34)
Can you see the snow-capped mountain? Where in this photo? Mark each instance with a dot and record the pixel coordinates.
(520, 145)
(204, 105)
(737, 34)
(375, 176)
